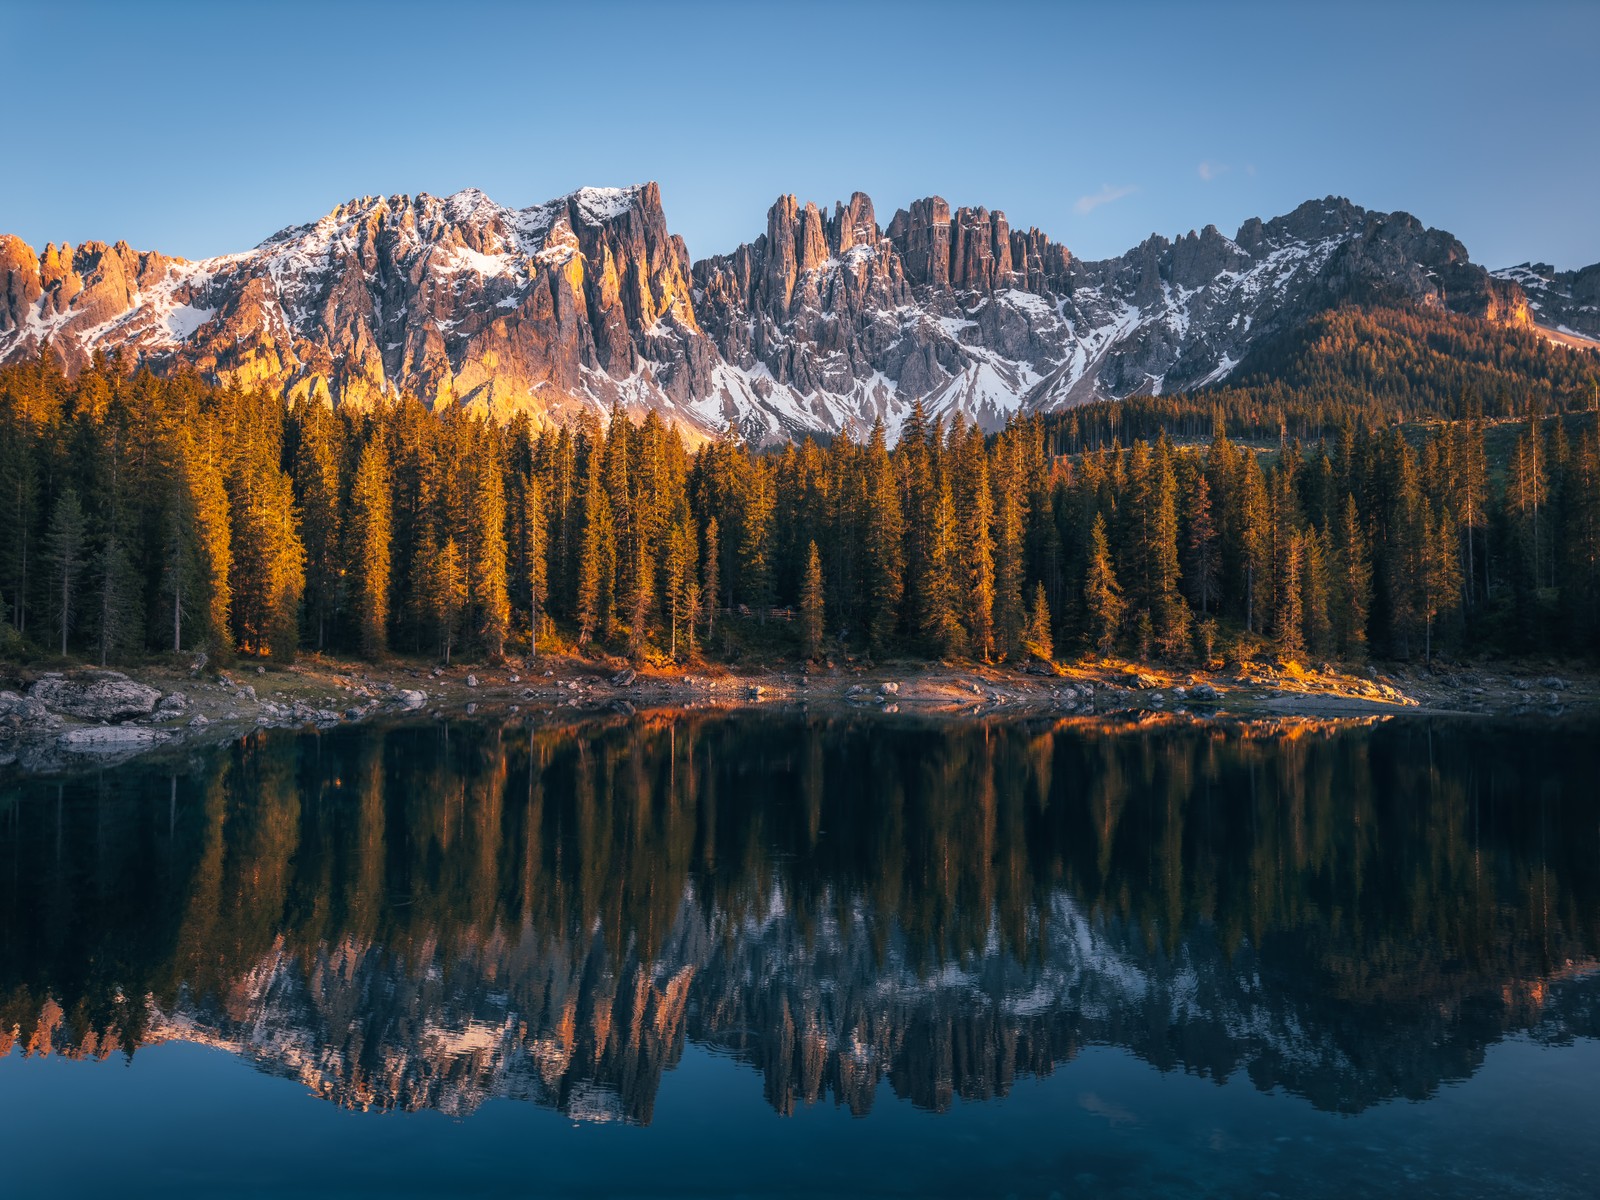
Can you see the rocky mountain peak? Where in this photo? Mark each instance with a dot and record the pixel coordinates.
(825, 322)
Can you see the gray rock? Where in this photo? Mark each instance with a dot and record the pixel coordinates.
(96, 696)
(25, 710)
(171, 705)
(889, 689)
(100, 739)
(472, 681)
(624, 677)
(411, 699)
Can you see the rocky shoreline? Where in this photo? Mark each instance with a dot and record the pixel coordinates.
(51, 720)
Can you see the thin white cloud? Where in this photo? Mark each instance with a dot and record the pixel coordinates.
(1210, 170)
(1107, 194)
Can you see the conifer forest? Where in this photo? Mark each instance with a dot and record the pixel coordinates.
(1350, 502)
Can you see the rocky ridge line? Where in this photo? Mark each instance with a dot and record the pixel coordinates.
(822, 324)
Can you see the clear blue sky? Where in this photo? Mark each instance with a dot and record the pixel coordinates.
(201, 128)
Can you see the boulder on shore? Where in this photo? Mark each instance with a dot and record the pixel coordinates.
(96, 696)
(103, 739)
(18, 710)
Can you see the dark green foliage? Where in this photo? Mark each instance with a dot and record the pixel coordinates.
(143, 514)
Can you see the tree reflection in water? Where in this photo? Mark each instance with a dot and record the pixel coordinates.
(429, 916)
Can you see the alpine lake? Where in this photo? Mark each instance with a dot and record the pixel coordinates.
(780, 954)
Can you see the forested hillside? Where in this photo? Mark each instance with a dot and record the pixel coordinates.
(142, 515)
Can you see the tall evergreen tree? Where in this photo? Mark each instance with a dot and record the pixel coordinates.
(812, 604)
(709, 575)
(316, 489)
(64, 551)
(370, 533)
(885, 562)
(1038, 639)
(534, 561)
(1102, 594)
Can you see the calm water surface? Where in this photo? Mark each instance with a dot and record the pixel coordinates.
(780, 955)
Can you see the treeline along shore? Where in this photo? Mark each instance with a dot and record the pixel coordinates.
(141, 515)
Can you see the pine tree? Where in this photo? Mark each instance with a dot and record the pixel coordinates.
(680, 583)
(445, 594)
(1255, 524)
(116, 601)
(811, 604)
(369, 532)
(1102, 594)
(268, 560)
(204, 493)
(1204, 563)
(1441, 573)
(755, 547)
(534, 537)
(63, 551)
(709, 577)
(1352, 583)
(316, 487)
(940, 619)
(596, 553)
(19, 509)
(1038, 638)
(885, 559)
(1010, 530)
(975, 522)
(483, 542)
(1291, 596)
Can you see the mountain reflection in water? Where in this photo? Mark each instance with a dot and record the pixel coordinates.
(431, 916)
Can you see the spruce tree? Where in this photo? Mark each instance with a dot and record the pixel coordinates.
(484, 542)
(1009, 533)
(712, 598)
(63, 551)
(885, 555)
(811, 604)
(445, 597)
(534, 536)
(370, 535)
(1102, 594)
(682, 592)
(1037, 637)
(940, 618)
(596, 553)
(116, 600)
(1351, 584)
(1204, 564)
(975, 526)
(316, 488)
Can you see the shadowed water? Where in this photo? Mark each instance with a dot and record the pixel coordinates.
(669, 955)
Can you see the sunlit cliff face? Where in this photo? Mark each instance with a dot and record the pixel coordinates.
(432, 917)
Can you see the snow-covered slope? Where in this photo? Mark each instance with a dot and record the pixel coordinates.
(822, 324)
(1565, 303)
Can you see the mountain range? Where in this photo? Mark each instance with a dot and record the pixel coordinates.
(822, 324)
(821, 1006)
